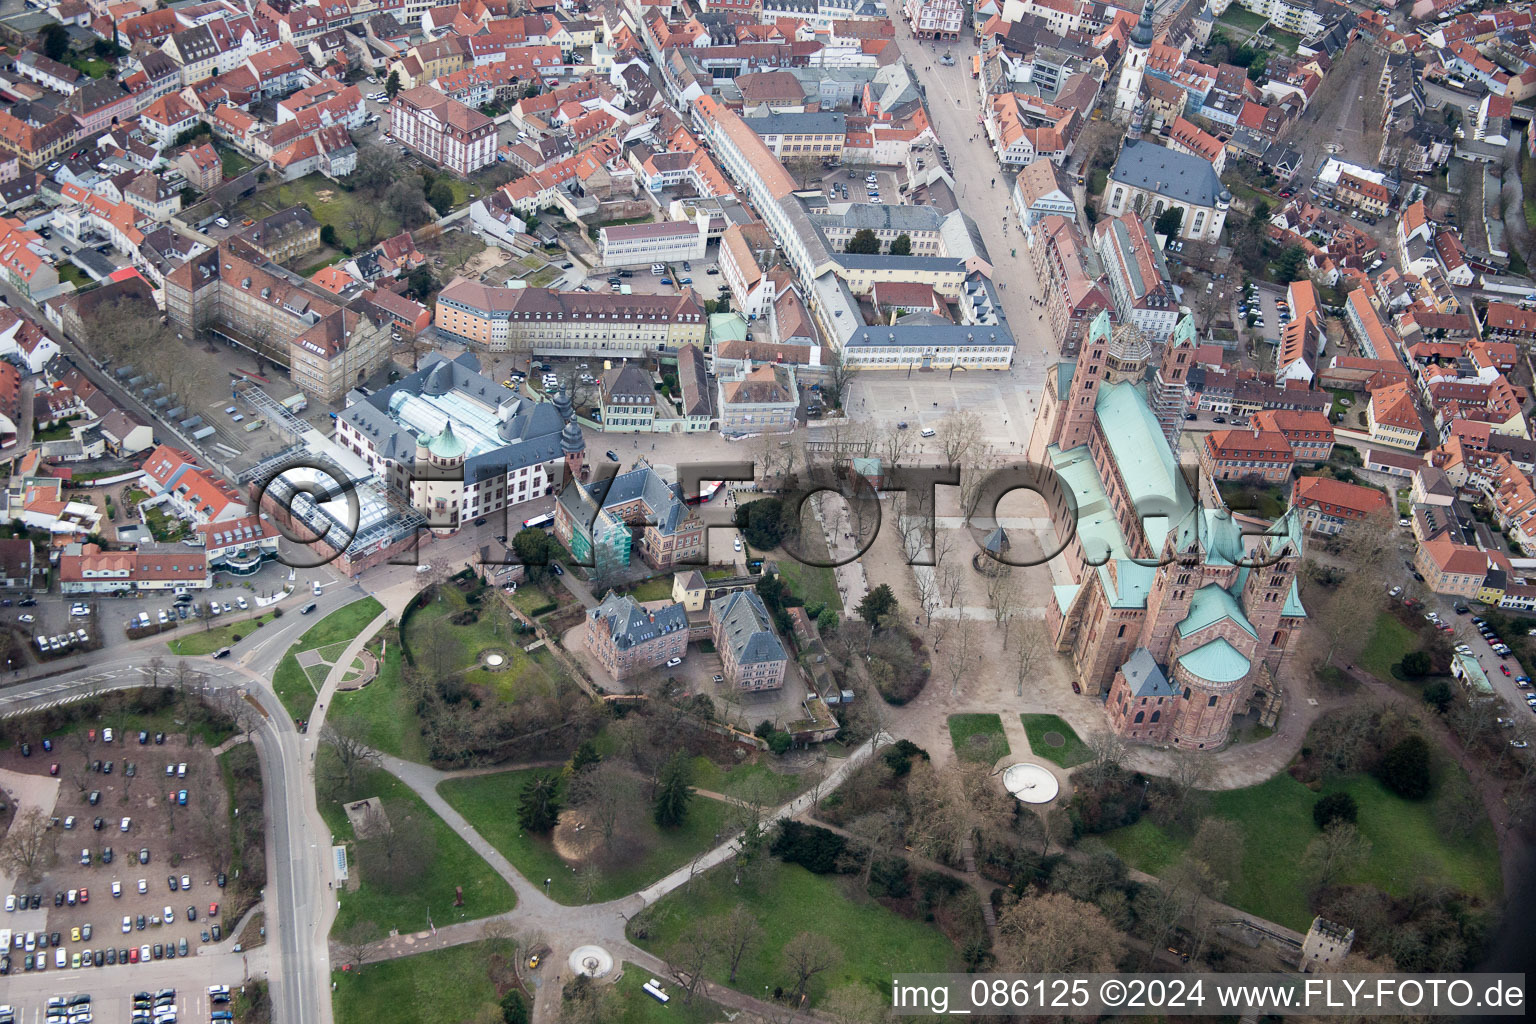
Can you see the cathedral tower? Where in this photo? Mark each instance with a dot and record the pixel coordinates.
(1134, 66)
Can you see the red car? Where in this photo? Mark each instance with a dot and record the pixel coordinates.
(85, 895)
(133, 955)
(1504, 669)
(1075, 687)
(213, 910)
(53, 769)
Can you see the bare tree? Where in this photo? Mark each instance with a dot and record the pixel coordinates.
(876, 832)
(350, 759)
(895, 446)
(939, 816)
(1192, 771)
(807, 955)
(30, 845)
(960, 435)
(1030, 645)
(1351, 584)
(397, 849)
(838, 379)
(588, 878)
(358, 942)
(962, 658)
(689, 955)
(1107, 756)
(735, 933)
(606, 796)
(1339, 850)
(1052, 933)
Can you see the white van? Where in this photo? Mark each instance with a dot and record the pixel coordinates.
(927, 432)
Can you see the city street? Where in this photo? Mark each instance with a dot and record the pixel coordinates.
(295, 958)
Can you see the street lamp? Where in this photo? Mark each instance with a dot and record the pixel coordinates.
(546, 885)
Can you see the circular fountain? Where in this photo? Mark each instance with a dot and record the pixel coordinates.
(1031, 783)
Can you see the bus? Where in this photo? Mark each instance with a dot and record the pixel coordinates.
(547, 519)
(707, 491)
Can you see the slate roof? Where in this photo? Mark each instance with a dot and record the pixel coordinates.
(632, 625)
(1144, 676)
(1180, 176)
(746, 627)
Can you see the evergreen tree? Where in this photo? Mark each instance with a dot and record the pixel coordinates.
(902, 246)
(538, 808)
(675, 792)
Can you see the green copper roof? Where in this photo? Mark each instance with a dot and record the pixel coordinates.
(1210, 605)
(1064, 593)
(1144, 460)
(1293, 607)
(727, 327)
(1217, 661)
(1098, 531)
(446, 445)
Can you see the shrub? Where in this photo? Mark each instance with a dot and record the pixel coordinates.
(514, 1008)
(277, 613)
(1334, 807)
(1439, 695)
(899, 755)
(1415, 664)
(1405, 768)
(780, 742)
(815, 849)
(889, 876)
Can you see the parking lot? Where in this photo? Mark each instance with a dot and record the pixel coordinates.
(852, 186)
(135, 827)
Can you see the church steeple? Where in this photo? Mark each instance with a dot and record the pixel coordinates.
(1141, 35)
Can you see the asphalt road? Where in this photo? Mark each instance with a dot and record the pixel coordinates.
(298, 843)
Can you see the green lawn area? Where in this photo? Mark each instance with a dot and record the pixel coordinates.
(447, 986)
(489, 802)
(978, 737)
(69, 272)
(1340, 396)
(342, 625)
(1268, 502)
(813, 584)
(466, 643)
(1072, 753)
(658, 589)
(1285, 42)
(432, 895)
(93, 66)
(234, 162)
(1243, 20)
(163, 527)
(734, 781)
(292, 687)
(209, 640)
(379, 714)
(1390, 640)
(635, 1007)
(1276, 817)
(787, 900)
(329, 202)
(1530, 214)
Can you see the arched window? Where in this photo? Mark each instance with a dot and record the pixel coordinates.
(1212, 702)
(1119, 198)
(1139, 716)
(1156, 715)
(1186, 693)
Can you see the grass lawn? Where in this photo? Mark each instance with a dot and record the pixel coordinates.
(341, 626)
(70, 272)
(659, 589)
(489, 802)
(1072, 753)
(1286, 42)
(735, 780)
(530, 599)
(1530, 214)
(813, 584)
(1268, 502)
(485, 892)
(290, 683)
(1276, 818)
(234, 162)
(1243, 20)
(293, 688)
(417, 988)
(978, 737)
(787, 899)
(466, 643)
(210, 640)
(93, 66)
(635, 1007)
(1340, 397)
(329, 202)
(379, 715)
(1390, 640)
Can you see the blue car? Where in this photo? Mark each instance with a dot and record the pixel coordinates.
(666, 280)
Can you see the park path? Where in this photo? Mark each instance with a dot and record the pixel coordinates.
(562, 927)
